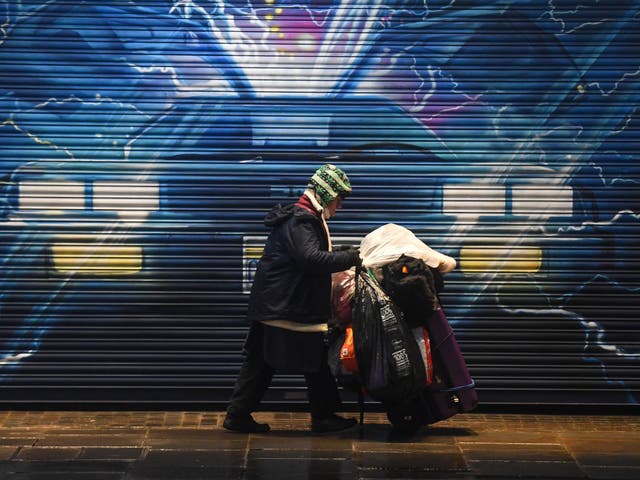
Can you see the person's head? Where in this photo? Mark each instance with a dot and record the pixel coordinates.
(330, 186)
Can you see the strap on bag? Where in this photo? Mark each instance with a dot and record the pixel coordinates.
(360, 390)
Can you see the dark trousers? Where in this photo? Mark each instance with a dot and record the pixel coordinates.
(255, 377)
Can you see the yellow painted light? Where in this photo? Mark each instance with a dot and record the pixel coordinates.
(96, 259)
(253, 252)
(500, 259)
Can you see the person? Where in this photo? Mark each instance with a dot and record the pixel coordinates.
(289, 306)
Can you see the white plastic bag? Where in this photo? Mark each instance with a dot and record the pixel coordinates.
(389, 242)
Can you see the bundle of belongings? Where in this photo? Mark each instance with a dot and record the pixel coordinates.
(392, 339)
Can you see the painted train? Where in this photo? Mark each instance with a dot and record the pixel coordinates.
(131, 208)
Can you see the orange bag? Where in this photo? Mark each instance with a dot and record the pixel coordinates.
(348, 352)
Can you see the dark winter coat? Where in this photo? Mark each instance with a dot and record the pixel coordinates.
(293, 283)
(293, 279)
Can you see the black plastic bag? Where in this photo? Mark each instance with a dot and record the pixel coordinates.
(391, 367)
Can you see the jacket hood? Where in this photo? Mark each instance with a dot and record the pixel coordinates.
(280, 214)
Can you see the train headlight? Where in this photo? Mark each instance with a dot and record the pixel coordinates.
(488, 259)
(96, 259)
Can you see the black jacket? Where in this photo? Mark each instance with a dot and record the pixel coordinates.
(293, 279)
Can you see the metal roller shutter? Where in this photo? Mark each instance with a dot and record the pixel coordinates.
(143, 142)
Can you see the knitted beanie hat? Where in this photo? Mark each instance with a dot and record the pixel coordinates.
(329, 182)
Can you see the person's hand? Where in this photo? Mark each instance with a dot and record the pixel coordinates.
(357, 261)
(354, 253)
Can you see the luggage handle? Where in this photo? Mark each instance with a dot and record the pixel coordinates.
(453, 389)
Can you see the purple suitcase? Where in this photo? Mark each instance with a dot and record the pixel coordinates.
(452, 390)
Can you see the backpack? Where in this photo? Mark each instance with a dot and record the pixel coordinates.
(414, 288)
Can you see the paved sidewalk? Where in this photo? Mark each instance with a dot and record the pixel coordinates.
(192, 445)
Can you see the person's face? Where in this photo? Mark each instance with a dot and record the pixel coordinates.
(332, 207)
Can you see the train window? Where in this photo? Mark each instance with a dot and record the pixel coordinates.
(51, 195)
(473, 200)
(126, 197)
(543, 200)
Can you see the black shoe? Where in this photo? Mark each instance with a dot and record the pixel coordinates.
(331, 424)
(244, 424)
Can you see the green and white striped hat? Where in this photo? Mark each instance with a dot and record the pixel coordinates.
(330, 182)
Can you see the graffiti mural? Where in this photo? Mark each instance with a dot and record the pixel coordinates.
(142, 143)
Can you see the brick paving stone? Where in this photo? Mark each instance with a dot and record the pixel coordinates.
(63, 470)
(94, 440)
(51, 454)
(302, 469)
(295, 453)
(7, 452)
(595, 459)
(300, 462)
(514, 469)
(103, 431)
(612, 472)
(195, 439)
(380, 437)
(189, 465)
(435, 458)
(13, 438)
(518, 452)
(373, 474)
(65, 476)
(210, 420)
(298, 440)
(284, 421)
(596, 449)
(516, 436)
(111, 453)
(191, 420)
